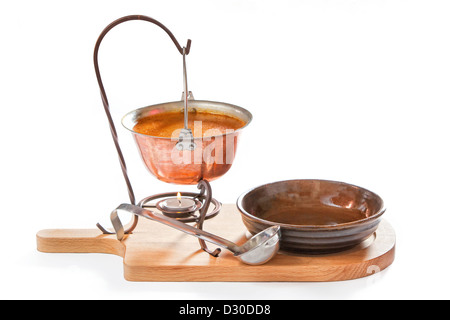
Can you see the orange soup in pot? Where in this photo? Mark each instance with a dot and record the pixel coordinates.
(202, 124)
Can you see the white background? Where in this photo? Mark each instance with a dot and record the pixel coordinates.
(355, 91)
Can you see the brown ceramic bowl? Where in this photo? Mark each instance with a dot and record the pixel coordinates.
(316, 216)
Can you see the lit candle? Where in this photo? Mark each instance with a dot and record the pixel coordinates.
(178, 204)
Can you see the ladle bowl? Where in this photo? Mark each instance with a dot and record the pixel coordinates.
(212, 157)
(315, 216)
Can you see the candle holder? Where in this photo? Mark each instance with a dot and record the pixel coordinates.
(197, 214)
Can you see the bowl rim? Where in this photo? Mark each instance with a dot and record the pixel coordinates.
(350, 224)
(245, 111)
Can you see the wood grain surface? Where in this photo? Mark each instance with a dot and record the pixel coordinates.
(155, 252)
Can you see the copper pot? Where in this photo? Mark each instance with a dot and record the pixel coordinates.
(212, 157)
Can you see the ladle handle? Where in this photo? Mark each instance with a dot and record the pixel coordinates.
(181, 226)
(183, 51)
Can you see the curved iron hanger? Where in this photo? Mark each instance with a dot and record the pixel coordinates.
(182, 50)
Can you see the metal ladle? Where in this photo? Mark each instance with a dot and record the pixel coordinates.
(257, 250)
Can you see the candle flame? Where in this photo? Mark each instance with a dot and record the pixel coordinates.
(179, 196)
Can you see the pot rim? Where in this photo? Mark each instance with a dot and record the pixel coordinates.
(232, 106)
(350, 224)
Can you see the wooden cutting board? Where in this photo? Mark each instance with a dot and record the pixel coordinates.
(155, 252)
